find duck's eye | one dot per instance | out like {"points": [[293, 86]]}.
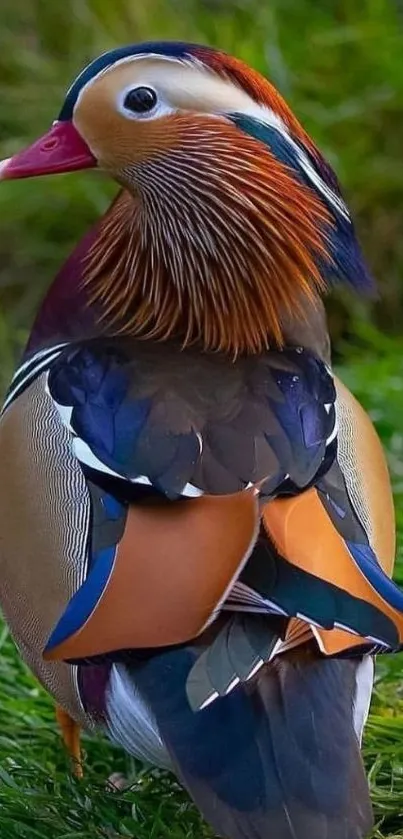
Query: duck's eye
{"points": [[140, 100]]}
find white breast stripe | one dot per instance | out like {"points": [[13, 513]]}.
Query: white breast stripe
{"points": [[30, 370], [37, 357]]}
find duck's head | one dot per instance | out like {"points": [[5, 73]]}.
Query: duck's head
{"points": [[230, 220]]}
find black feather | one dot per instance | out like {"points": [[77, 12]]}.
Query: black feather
{"points": [[277, 758]]}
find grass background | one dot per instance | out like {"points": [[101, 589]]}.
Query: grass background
{"points": [[339, 63]]}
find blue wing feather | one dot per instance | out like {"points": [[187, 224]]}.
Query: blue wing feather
{"points": [[108, 520], [137, 423], [85, 599], [370, 568]]}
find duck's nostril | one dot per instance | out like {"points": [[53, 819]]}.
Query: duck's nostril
{"points": [[50, 144]]}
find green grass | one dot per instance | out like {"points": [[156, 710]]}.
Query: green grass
{"points": [[39, 799], [38, 796]]}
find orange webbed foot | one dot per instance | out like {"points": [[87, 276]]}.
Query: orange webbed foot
{"points": [[71, 738]]}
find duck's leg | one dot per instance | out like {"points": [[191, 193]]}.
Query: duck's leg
{"points": [[71, 738]]}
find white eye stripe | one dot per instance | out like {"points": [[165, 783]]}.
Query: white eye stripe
{"points": [[268, 117], [126, 60]]}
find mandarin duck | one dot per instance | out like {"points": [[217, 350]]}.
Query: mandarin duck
{"points": [[196, 525]]}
